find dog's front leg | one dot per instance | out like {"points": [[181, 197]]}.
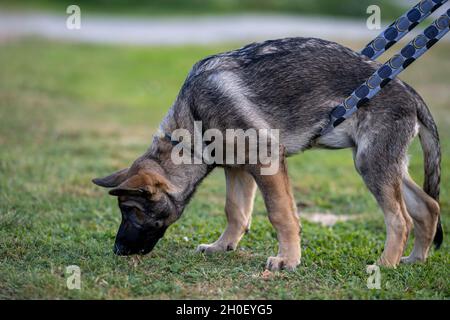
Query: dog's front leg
{"points": [[280, 204], [241, 188]]}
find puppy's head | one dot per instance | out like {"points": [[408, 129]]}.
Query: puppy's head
{"points": [[143, 194]]}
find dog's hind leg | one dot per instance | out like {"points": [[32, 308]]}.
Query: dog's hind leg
{"points": [[380, 162], [241, 188], [425, 212]]}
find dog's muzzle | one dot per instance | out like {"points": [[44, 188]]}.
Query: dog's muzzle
{"points": [[121, 248]]}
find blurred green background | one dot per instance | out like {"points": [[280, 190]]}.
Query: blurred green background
{"points": [[342, 8]]}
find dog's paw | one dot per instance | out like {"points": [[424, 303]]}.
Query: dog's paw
{"points": [[213, 247], [384, 262], [411, 259], [279, 263]]}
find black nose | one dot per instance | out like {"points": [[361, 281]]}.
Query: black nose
{"points": [[120, 250]]}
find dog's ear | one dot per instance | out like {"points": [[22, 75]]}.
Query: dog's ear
{"points": [[144, 182], [113, 180]]}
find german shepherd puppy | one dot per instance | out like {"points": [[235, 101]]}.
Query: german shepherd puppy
{"points": [[290, 84]]}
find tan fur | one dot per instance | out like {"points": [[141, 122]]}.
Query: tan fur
{"points": [[397, 225], [147, 180], [241, 189], [280, 204], [424, 211]]}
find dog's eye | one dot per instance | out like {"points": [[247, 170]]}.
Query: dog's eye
{"points": [[133, 213], [131, 205], [158, 224], [137, 215], [140, 216]]}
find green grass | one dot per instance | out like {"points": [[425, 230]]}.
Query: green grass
{"points": [[345, 8], [69, 113]]}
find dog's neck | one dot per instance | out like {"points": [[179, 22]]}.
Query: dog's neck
{"points": [[184, 177]]}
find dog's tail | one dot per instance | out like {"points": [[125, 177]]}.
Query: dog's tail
{"points": [[429, 139]]}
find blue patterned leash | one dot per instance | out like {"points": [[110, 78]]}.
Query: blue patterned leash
{"points": [[400, 27], [388, 71]]}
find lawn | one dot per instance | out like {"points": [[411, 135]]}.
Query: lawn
{"points": [[69, 113]]}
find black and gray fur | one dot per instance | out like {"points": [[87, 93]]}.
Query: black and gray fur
{"points": [[292, 85]]}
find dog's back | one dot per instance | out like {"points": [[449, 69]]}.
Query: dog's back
{"points": [[290, 84]]}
